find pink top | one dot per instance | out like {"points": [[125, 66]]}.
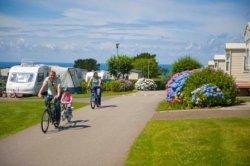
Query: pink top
{"points": [[66, 98]]}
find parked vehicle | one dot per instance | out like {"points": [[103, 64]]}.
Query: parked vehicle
{"points": [[26, 78]]}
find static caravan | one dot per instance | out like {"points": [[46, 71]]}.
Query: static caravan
{"points": [[211, 64], [220, 62], [26, 78], [238, 66], [68, 77]]}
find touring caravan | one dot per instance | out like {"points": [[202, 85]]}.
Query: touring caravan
{"points": [[26, 78], [68, 77]]}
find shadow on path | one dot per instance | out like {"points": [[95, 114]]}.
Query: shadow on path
{"points": [[107, 106], [76, 125]]}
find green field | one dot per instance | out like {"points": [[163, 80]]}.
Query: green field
{"points": [[193, 142], [18, 115]]}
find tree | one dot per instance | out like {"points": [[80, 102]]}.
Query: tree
{"points": [[147, 64], [145, 55], [119, 65], [88, 64], [185, 63]]}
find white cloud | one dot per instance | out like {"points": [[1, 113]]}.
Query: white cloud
{"points": [[168, 28]]}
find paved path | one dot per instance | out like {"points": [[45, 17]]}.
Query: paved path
{"points": [[242, 110], [99, 137]]}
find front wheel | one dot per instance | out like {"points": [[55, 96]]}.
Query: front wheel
{"points": [[45, 121], [92, 104]]}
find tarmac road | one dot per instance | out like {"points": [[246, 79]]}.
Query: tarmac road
{"points": [[96, 137]]}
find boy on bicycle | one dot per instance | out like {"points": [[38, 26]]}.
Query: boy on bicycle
{"points": [[95, 85], [52, 85]]}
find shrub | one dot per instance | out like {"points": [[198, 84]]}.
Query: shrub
{"points": [[185, 63], [160, 83], [126, 85], [118, 86], [145, 84], [175, 86], [207, 95], [84, 85], [209, 76]]}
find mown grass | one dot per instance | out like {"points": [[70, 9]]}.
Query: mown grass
{"points": [[166, 106], [18, 115], [193, 142]]}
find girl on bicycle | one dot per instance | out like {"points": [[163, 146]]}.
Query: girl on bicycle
{"points": [[66, 101], [95, 85]]}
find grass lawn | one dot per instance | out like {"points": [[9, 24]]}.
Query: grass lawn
{"points": [[105, 93], [244, 98], [18, 115], [165, 106], [193, 142]]}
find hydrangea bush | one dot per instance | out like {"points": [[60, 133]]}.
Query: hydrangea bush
{"points": [[175, 85], [219, 78], [207, 95], [145, 84]]}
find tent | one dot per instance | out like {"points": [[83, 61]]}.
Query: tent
{"points": [[68, 77]]}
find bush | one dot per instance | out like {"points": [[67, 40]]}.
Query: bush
{"points": [[83, 85], [207, 95], [175, 86], [160, 83], [118, 86], [185, 63], [209, 76], [145, 84]]}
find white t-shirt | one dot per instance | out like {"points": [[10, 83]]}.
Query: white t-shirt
{"points": [[52, 85]]}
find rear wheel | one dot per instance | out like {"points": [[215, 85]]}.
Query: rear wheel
{"points": [[45, 121]]}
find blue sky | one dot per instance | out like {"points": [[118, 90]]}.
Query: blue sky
{"points": [[63, 31]]}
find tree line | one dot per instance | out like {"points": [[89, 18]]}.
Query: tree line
{"points": [[121, 65]]}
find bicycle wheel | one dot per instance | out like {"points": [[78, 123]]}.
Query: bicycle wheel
{"points": [[92, 101], [92, 104], [57, 122], [45, 121]]}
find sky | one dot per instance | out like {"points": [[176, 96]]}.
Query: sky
{"points": [[66, 30]]}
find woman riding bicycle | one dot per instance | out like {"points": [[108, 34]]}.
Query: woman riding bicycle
{"points": [[52, 85], [95, 85]]}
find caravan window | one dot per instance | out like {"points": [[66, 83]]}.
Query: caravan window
{"points": [[21, 77]]}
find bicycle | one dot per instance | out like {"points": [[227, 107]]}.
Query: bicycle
{"points": [[49, 115], [95, 98], [67, 112]]}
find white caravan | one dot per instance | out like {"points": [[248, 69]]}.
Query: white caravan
{"points": [[26, 78]]}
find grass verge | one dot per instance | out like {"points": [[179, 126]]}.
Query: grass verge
{"points": [[193, 142], [166, 106], [18, 115]]}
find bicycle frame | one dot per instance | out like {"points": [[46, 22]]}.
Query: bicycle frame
{"points": [[95, 97]]}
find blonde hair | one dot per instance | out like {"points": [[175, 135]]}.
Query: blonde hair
{"points": [[52, 72]]}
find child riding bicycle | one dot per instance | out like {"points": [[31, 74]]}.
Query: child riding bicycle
{"points": [[66, 102]]}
